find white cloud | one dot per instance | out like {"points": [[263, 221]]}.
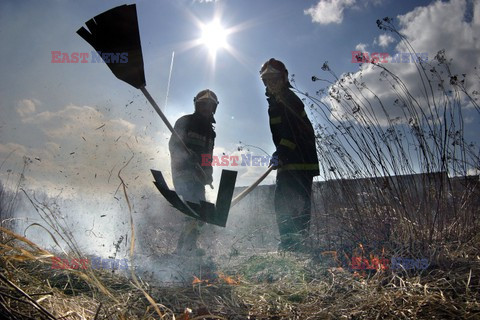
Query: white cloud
{"points": [[384, 40], [79, 121], [26, 106], [473, 172], [8, 148], [442, 26], [361, 47], [80, 151], [401, 108], [476, 15], [329, 11]]}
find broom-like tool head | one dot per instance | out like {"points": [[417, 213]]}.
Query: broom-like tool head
{"points": [[114, 34]]}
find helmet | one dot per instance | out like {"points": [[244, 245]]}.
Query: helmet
{"points": [[206, 96], [273, 68]]}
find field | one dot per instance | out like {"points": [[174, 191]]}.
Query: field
{"points": [[395, 224]]}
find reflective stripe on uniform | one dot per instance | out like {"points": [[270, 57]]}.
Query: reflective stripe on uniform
{"points": [[195, 135], [287, 143], [300, 166], [195, 139], [276, 120]]}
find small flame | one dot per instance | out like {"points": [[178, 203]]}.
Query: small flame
{"points": [[224, 278], [334, 256], [186, 314], [227, 279], [361, 247], [198, 281], [374, 263]]}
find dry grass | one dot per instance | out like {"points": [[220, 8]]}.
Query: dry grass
{"points": [[336, 293], [401, 184], [269, 286]]}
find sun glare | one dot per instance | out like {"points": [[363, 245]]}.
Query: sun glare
{"points": [[214, 36]]}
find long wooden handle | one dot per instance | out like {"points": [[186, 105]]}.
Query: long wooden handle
{"points": [[249, 189], [169, 126], [160, 113]]}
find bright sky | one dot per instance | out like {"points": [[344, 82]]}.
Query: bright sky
{"points": [[79, 125]]}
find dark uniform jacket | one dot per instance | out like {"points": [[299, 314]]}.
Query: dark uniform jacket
{"points": [[198, 134], [292, 133]]}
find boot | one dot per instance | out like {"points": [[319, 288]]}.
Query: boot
{"points": [[187, 242], [191, 247]]}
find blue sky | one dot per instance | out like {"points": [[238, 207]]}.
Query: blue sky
{"points": [[78, 124]]}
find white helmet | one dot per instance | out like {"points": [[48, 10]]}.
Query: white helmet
{"points": [[207, 95]]}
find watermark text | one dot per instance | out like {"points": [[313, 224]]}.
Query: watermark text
{"points": [[382, 57], [359, 263], [243, 160], [95, 57], [95, 263]]}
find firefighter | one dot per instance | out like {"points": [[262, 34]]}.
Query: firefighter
{"points": [[295, 157], [189, 178]]}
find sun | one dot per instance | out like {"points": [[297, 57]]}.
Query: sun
{"points": [[214, 36]]}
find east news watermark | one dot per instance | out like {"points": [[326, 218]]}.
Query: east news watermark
{"points": [[397, 263], [94, 263], [382, 57], [243, 160], [92, 57]]}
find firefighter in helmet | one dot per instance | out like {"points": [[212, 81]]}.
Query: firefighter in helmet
{"points": [[295, 157], [189, 178]]}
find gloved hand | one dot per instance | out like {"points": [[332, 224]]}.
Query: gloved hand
{"points": [[208, 179], [204, 175], [276, 161]]}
